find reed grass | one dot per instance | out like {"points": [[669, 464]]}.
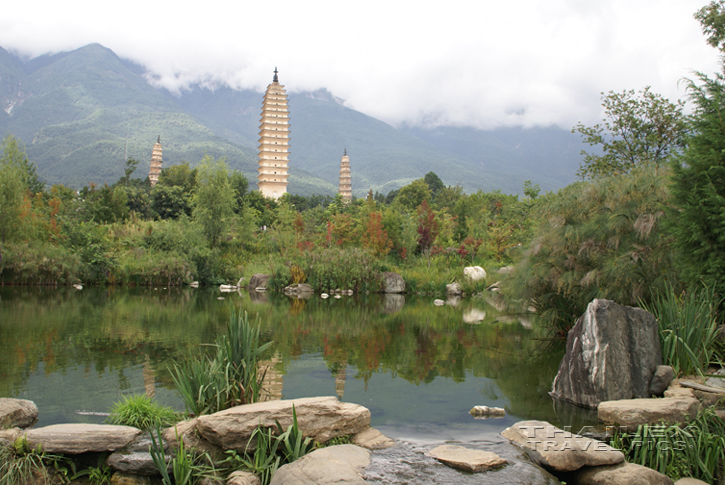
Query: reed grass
{"points": [[142, 412], [687, 327], [696, 450], [230, 377]]}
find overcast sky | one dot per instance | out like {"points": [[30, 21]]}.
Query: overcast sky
{"points": [[483, 63]]}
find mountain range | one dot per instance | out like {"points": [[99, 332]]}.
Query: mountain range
{"points": [[81, 114]]}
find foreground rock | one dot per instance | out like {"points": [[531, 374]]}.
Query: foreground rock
{"points": [[633, 412], [622, 474], [559, 450], [81, 438], [243, 478], [611, 353], [408, 463], [321, 418], [392, 282], [372, 439], [326, 466], [466, 459], [17, 413], [661, 380]]}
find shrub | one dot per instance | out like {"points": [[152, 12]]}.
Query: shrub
{"points": [[22, 465], [598, 239], [142, 412], [31, 264]]}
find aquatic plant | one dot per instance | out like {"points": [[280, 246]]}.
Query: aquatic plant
{"points": [[230, 377], [142, 412]]}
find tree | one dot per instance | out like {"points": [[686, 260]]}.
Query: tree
{"points": [[435, 184], [413, 194], [699, 188], [638, 128], [712, 20], [213, 201]]}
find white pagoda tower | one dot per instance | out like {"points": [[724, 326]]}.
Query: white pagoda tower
{"points": [[156, 161], [274, 141], [345, 179]]}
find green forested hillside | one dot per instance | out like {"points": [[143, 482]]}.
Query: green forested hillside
{"points": [[81, 114]]}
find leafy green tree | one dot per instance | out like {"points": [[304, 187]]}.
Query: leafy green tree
{"points": [[712, 21], [14, 154], [213, 201], [179, 176], [240, 184], [413, 194], [699, 188], [638, 128], [435, 184]]}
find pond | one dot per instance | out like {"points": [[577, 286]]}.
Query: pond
{"points": [[418, 367]]}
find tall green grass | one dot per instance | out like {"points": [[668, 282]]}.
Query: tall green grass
{"points": [[696, 450], [687, 327], [230, 377]]}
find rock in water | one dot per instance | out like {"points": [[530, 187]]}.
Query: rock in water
{"points": [[392, 282], [465, 459], [611, 353]]}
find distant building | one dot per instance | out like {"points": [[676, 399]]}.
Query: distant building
{"points": [[345, 179], [156, 161], [274, 141]]}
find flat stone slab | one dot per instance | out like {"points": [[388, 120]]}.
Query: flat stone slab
{"points": [[559, 450], [633, 412], [372, 439], [409, 463], [19, 413], [700, 387], [320, 418], [8, 436], [341, 464], [466, 459], [622, 474], [81, 438]]}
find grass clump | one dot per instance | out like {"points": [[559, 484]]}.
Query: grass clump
{"points": [[696, 450], [228, 378], [185, 467], [687, 327], [22, 465], [142, 412]]}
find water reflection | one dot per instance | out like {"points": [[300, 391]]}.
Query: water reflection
{"points": [[417, 366]]}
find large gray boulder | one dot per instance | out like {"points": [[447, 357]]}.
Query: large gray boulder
{"points": [[320, 418], [79, 438], [19, 413], [559, 450], [341, 464], [611, 353], [621, 474], [633, 412], [392, 282]]}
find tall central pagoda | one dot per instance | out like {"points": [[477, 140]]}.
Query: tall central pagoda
{"points": [[274, 141]]}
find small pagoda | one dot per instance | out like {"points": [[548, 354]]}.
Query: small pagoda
{"points": [[274, 141], [345, 179], [156, 161]]}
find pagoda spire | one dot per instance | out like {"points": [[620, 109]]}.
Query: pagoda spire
{"points": [[274, 141], [156, 162]]}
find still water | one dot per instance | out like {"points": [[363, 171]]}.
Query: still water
{"points": [[418, 367]]}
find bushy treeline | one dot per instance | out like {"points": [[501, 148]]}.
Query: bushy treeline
{"points": [[204, 224]]}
